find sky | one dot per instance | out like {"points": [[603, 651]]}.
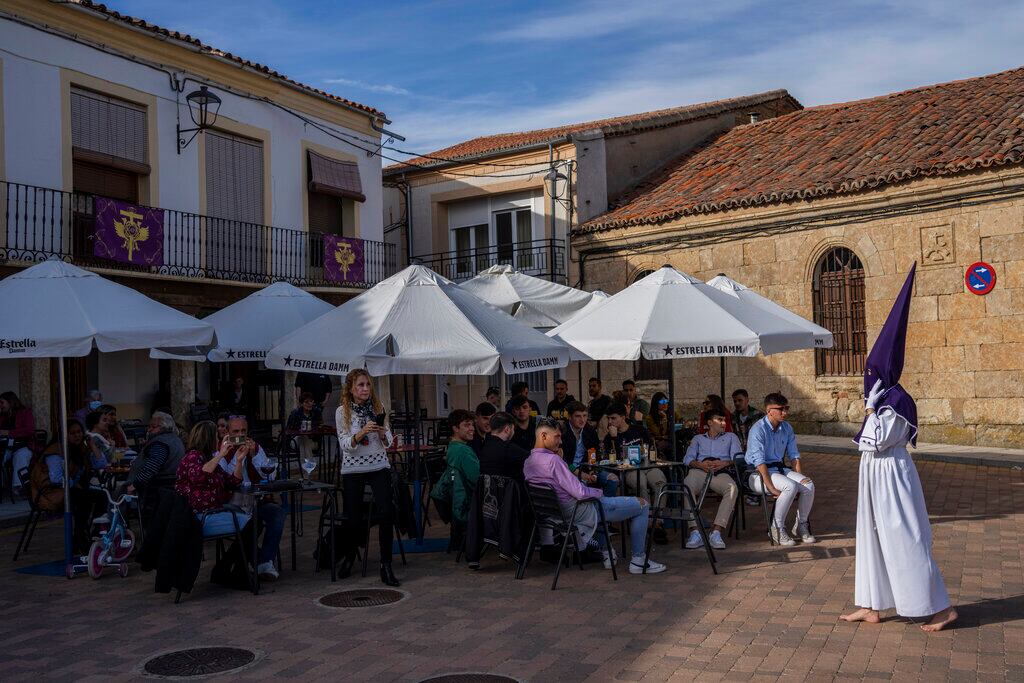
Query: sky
{"points": [[446, 70]]}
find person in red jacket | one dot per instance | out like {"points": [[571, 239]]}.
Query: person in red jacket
{"points": [[17, 430]]}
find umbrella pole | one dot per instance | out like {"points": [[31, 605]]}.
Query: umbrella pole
{"points": [[68, 562], [672, 410], [721, 376], [579, 379], [417, 485]]}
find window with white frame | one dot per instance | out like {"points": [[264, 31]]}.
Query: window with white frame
{"points": [[492, 230]]}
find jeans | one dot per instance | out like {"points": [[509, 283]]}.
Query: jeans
{"points": [[607, 483], [271, 517], [19, 458], [219, 523], [353, 487], [791, 486], [621, 508]]}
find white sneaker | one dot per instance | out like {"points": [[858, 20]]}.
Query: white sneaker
{"points": [[268, 571], [804, 532], [780, 537], [694, 541], [609, 560], [716, 540], [636, 566]]}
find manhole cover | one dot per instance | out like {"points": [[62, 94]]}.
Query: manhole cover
{"points": [[469, 678], [200, 661], [368, 597]]}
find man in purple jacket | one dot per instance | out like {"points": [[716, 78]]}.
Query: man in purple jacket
{"points": [[546, 467]]}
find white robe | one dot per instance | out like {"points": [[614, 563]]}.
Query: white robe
{"points": [[894, 564]]}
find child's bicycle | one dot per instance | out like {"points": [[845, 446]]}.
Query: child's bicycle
{"points": [[114, 544]]}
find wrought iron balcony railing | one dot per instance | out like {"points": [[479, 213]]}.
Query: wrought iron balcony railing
{"points": [[541, 258], [40, 223]]}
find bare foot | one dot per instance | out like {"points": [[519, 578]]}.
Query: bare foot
{"points": [[863, 614], [940, 620]]}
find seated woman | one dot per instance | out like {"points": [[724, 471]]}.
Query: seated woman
{"points": [[98, 439], [47, 482], [18, 425], [306, 418], [117, 436], [713, 402], [206, 485], [657, 422]]}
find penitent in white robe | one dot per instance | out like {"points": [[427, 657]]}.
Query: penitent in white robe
{"points": [[894, 564]]}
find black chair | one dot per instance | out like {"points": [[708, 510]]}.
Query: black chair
{"points": [[767, 501], [34, 515], [236, 535], [739, 512], [684, 509], [548, 514]]}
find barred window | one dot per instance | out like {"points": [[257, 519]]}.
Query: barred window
{"points": [[839, 308]]}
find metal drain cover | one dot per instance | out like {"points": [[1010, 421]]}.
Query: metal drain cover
{"points": [[200, 661], [367, 597], [469, 678]]}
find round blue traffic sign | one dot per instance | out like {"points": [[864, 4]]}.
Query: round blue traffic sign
{"points": [[980, 278]]}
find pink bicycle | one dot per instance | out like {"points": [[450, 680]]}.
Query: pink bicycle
{"points": [[114, 544]]}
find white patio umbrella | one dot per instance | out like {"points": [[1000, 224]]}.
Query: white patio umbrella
{"points": [[57, 310], [248, 328], [416, 322], [530, 300], [822, 337], [669, 315]]}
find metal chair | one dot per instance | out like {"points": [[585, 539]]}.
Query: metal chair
{"points": [[548, 514], [685, 510], [767, 501], [34, 515], [738, 513], [236, 535]]}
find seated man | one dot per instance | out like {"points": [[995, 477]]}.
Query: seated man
{"points": [[545, 467], [637, 408], [156, 466], [306, 418], [622, 434], [463, 461], [558, 407], [526, 425], [770, 440], [482, 426], [500, 456], [493, 396], [708, 455], [271, 515], [578, 440], [521, 389]]}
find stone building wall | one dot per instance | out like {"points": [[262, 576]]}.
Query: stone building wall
{"points": [[965, 355]]}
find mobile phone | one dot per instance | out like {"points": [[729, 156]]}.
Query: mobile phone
{"points": [[379, 418], [236, 440]]}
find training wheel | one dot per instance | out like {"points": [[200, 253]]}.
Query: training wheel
{"points": [[122, 570], [69, 571], [94, 561]]}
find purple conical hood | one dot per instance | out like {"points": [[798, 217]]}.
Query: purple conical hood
{"points": [[885, 362]]}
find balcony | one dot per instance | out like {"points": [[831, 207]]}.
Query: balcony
{"points": [[540, 258], [41, 223]]}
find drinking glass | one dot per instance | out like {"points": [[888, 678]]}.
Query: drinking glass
{"points": [[267, 468], [308, 465]]}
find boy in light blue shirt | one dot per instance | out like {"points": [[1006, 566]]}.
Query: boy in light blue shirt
{"points": [[770, 440]]}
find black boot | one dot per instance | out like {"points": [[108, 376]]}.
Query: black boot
{"points": [[387, 575], [345, 567]]}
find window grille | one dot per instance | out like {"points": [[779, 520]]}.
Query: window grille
{"points": [[839, 308]]}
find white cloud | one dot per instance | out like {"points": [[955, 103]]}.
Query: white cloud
{"points": [[372, 87]]}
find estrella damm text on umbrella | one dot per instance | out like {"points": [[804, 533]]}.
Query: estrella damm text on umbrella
{"points": [[534, 363], [701, 350], [322, 365], [17, 345]]}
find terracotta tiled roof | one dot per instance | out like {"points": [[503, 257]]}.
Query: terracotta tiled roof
{"points": [[501, 143], [185, 38], [835, 149]]}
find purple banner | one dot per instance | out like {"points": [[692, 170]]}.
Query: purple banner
{"points": [[343, 259], [129, 233]]}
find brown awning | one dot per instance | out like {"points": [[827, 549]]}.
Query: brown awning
{"points": [[338, 178]]}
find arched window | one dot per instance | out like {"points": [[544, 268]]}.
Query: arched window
{"points": [[839, 308], [649, 369]]}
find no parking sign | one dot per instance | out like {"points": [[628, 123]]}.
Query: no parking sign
{"points": [[980, 278]]}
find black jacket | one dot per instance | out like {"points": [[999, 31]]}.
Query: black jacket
{"points": [[502, 458], [525, 438], [174, 544], [590, 440], [500, 516]]}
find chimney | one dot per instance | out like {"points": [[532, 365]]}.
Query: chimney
{"points": [[754, 116]]}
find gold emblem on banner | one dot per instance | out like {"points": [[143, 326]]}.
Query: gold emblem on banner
{"points": [[345, 257], [131, 230]]}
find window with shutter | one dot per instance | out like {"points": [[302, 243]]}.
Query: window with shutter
{"points": [[234, 205], [839, 308]]}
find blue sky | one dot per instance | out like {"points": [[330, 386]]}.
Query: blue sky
{"points": [[447, 70]]}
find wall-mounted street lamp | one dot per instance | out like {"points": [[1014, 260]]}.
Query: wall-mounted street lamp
{"points": [[203, 106]]}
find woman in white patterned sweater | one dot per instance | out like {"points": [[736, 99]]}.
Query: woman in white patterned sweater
{"points": [[364, 462]]}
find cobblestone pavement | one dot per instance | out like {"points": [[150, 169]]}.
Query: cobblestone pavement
{"points": [[770, 614]]}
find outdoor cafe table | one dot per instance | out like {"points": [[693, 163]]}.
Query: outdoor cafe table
{"points": [[262, 490], [622, 470], [327, 453]]}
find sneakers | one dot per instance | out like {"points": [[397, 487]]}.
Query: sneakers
{"points": [[803, 530], [609, 560], [267, 571], [780, 537], [694, 541], [753, 501], [716, 540], [636, 566]]}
